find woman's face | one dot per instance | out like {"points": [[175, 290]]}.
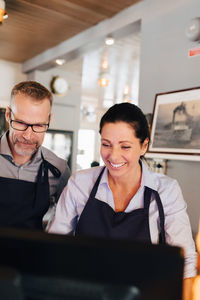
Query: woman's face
{"points": [[120, 148]]}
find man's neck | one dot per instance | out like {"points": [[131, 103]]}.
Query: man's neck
{"points": [[21, 160]]}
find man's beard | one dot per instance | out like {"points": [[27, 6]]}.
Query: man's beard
{"points": [[20, 150]]}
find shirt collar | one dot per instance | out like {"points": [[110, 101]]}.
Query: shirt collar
{"points": [[147, 178], [104, 177]]}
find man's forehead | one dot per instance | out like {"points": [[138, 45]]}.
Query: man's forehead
{"points": [[21, 101], [31, 112]]}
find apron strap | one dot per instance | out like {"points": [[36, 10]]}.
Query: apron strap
{"points": [[95, 187], [52, 168], [147, 195], [162, 218], [42, 177]]}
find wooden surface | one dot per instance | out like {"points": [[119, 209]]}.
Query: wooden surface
{"points": [[35, 26]]}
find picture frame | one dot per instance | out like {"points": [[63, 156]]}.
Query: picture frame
{"points": [[3, 123], [175, 127]]}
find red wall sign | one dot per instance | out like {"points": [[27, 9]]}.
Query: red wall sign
{"points": [[194, 52]]}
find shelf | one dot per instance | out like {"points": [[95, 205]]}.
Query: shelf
{"points": [[173, 156]]}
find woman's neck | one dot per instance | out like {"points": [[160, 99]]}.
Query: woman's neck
{"points": [[129, 179], [124, 188]]}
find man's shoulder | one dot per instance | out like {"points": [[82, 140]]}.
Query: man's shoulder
{"points": [[55, 160], [4, 147]]}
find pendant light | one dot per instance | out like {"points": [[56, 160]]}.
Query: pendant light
{"points": [[3, 14]]}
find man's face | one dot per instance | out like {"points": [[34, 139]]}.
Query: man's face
{"points": [[24, 144]]}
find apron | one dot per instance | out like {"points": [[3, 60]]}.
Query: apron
{"points": [[98, 219], [22, 203]]}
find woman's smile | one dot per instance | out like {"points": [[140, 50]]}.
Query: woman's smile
{"points": [[116, 166]]}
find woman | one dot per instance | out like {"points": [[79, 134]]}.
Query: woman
{"points": [[124, 199]]}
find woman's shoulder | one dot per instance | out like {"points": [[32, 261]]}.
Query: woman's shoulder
{"points": [[87, 175], [83, 180], [163, 178], [159, 181]]}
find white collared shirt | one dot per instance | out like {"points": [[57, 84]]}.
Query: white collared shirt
{"points": [[177, 225]]}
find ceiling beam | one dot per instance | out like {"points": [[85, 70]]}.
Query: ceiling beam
{"points": [[121, 24]]}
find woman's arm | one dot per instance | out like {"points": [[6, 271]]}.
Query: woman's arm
{"points": [[187, 288], [64, 220], [177, 226]]}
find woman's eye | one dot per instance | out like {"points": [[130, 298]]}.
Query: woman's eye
{"points": [[126, 147], [105, 145]]}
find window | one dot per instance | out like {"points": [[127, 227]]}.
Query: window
{"points": [[86, 141]]}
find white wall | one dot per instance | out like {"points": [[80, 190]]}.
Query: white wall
{"points": [[10, 74], [165, 66], [66, 109]]}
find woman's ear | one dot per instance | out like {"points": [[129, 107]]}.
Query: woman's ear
{"points": [[145, 146]]}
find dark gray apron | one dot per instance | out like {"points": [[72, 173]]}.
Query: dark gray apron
{"points": [[98, 219]]}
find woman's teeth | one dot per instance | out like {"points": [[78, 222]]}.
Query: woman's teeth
{"points": [[117, 165]]}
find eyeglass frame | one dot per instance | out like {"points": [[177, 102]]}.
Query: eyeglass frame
{"points": [[26, 124]]}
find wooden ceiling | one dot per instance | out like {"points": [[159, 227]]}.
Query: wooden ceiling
{"points": [[34, 26]]}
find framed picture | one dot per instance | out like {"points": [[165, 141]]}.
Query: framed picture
{"points": [[3, 123], [175, 124]]}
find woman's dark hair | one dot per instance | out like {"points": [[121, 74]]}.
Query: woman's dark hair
{"points": [[130, 114]]}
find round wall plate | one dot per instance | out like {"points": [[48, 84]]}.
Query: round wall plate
{"points": [[193, 30], [59, 86]]}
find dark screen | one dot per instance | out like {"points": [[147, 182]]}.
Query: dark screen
{"points": [[72, 263]]}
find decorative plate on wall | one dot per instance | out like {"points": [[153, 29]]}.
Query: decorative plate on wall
{"points": [[59, 86]]}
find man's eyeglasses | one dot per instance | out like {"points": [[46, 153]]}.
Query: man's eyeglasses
{"points": [[21, 126]]}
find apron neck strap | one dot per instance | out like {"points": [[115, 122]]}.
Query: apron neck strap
{"points": [[48, 166], [147, 195], [95, 187]]}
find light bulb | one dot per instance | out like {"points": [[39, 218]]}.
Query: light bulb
{"points": [[109, 41], [103, 82], [2, 10]]}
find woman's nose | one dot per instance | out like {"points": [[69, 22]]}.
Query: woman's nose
{"points": [[115, 153]]}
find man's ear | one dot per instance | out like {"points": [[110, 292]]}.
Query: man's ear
{"points": [[7, 114], [50, 118]]}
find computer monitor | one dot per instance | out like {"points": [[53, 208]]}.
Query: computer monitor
{"points": [[75, 268]]}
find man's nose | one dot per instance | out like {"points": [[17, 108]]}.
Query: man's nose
{"points": [[28, 132]]}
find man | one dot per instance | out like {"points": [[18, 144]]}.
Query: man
{"points": [[29, 174]]}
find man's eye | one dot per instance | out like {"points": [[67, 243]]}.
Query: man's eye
{"points": [[105, 145]]}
